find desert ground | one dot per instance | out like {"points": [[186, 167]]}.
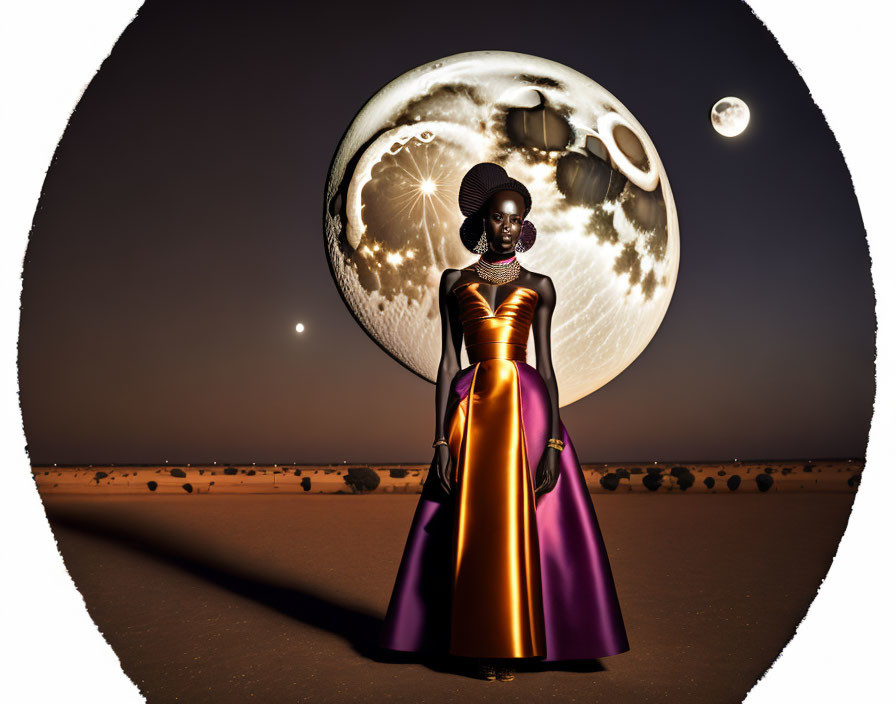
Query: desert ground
{"points": [[620, 478], [238, 597]]}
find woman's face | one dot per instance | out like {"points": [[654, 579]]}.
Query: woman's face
{"points": [[504, 221]]}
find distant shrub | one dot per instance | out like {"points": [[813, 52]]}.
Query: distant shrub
{"points": [[854, 480], [250, 473], [188, 488], [230, 471], [808, 467], [152, 485], [623, 473], [98, 476], [655, 471], [178, 472], [636, 470], [764, 482], [398, 473], [678, 471], [710, 482], [610, 481], [298, 472], [770, 470], [361, 479], [786, 471], [733, 482], [722, 472], [652, 481], [685, 479], [306, 483]]}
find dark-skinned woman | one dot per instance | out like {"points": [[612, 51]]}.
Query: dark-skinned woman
{"points": [[505, 560]]}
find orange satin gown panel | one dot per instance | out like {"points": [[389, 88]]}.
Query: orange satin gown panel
{"points": [[497, 603]]}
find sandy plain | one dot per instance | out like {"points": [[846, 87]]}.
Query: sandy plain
{"points": [[619, 478], [225, 598]]}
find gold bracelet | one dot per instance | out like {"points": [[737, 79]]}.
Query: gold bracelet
{"points": [[556, 443], [440, 441]]}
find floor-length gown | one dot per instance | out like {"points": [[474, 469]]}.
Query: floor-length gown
{"points": [[491, 571]]}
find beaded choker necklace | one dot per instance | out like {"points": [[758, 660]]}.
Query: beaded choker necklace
{"points": [[500, 272]]}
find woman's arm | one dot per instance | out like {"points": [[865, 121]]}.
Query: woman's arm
{"points": [[541, 326], [548, 470], [452, 336]]}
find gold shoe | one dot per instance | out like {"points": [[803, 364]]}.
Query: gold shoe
{"points": [[486, 670], [504, 673]]}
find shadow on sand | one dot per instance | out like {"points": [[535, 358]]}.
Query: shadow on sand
{"points": [[359, 628]]}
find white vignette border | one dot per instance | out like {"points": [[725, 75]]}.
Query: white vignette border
{"points": [[51, 49]]}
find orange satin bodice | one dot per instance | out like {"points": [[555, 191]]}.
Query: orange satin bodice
{"points": [[496, 594], [499, 334]]}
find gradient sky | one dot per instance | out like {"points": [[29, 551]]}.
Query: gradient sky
{"points": [[178, 241]]}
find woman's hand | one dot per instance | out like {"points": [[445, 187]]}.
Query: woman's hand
{"points": [[548, 471], [444, 467]]}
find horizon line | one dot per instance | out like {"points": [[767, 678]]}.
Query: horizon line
{"points": [[346, 463]]}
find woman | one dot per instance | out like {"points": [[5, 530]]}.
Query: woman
{"points": [[505, 558]]}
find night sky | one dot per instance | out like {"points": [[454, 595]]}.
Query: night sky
{"points": [[178, 242]]}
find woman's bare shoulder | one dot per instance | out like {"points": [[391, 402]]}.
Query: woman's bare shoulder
{"points": [[541, 284], [450, 277]]}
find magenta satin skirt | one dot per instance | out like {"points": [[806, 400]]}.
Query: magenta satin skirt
{"points": [[582, 618]]}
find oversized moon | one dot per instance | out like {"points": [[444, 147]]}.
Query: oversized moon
{"points": [[730, 116], [607, 225]]}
